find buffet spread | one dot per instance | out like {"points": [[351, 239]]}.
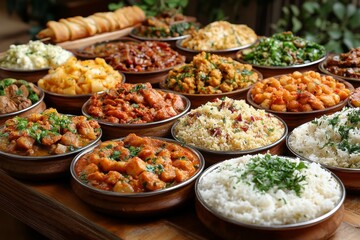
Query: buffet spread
{"points": [[140, 127]]}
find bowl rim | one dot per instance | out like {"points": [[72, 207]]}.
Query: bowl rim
{"points": [[215, 95], [80, 51], [150, 72], [321, 67], [140, 125], [141, 194], [50, 157], [239, 54], [235, 152], [41, 99], [250, 100], [19, 70], [272, 227], [87, 95], [178, 45], [165, 39], [332, 168]]}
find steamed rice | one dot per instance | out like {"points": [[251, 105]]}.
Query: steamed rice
{"points": [[239, 200], [332, 140], [228, 124]]}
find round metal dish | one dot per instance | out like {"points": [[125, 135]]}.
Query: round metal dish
{"points": [[136, 204], [213, 156], [349, 176], [156, 129], [190, 53], [321, 227]]}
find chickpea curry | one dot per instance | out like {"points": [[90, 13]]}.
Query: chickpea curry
{"points": [[47, 133], [136, 164], [211, 74]]}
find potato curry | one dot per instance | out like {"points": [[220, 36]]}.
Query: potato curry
{"points": [[136, 164]]}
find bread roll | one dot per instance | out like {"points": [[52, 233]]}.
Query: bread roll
{"points": [[79, 27]]}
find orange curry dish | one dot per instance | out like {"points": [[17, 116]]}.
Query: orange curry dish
{"points": [[135, 103], [47, 133], [136, 164]]}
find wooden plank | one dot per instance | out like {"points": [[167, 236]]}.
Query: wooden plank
{"points": [[54, 210], [108, 36]]}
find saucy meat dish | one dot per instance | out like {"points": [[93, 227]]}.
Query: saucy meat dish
{"points": [[47, 133], [136, 164], [135, 103], [145, 56], [345, 64], [16, 95]]}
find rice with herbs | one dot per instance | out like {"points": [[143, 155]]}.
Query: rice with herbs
{"points": [[228, 125], [230, 191], [332, 140]]}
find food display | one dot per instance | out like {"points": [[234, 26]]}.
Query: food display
{"points": [[34, 55], [267, 190], [76, 77], [136, 164], [219, 35], [283, 49], [210, 74], [145, 57], [344, 64], [80, 27], [228, 125], [299, 92], [164, 25], [47, 133], [355, 97], [331, 140], [16, 95], [134, 104]]}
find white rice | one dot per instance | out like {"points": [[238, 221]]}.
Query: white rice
{"points": [[228, 124], [241, 201], [321, 141]]}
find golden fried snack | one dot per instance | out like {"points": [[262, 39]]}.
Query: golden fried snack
{"points": [[80, 27]]}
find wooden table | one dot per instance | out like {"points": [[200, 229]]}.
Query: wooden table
{"points": [[55, 211]]}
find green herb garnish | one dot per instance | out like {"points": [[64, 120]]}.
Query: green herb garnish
{"points": [[271, 171]]}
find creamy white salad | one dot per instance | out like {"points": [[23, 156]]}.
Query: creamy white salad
{"points": [[34, 55]]}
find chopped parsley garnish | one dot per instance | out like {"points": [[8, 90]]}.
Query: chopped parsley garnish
{"points": [[272, 171], [134, 151], [115, 155], [157, 169]]}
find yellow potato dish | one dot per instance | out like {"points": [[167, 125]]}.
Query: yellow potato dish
{"points": [[76, 77]]}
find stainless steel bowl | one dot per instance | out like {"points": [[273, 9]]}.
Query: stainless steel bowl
{"points": [[190, 53], [40, 167], [156, 129], [136, 204], [213, 156], [322, 227]]}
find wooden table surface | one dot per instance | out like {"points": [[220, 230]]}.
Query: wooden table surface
{"points": [[55, 211]]}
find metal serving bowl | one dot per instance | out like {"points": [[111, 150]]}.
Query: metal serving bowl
{"points": [[199, 99], [270, 71], [136, 204], [213, 156], [190, 53], [322, 227], [294, 119], [155, 129], [169, 40], [40, 167], [349, 176], [37, 107], [322, 67]]}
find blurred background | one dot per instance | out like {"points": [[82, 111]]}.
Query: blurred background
{"points": [[333, 23]]}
